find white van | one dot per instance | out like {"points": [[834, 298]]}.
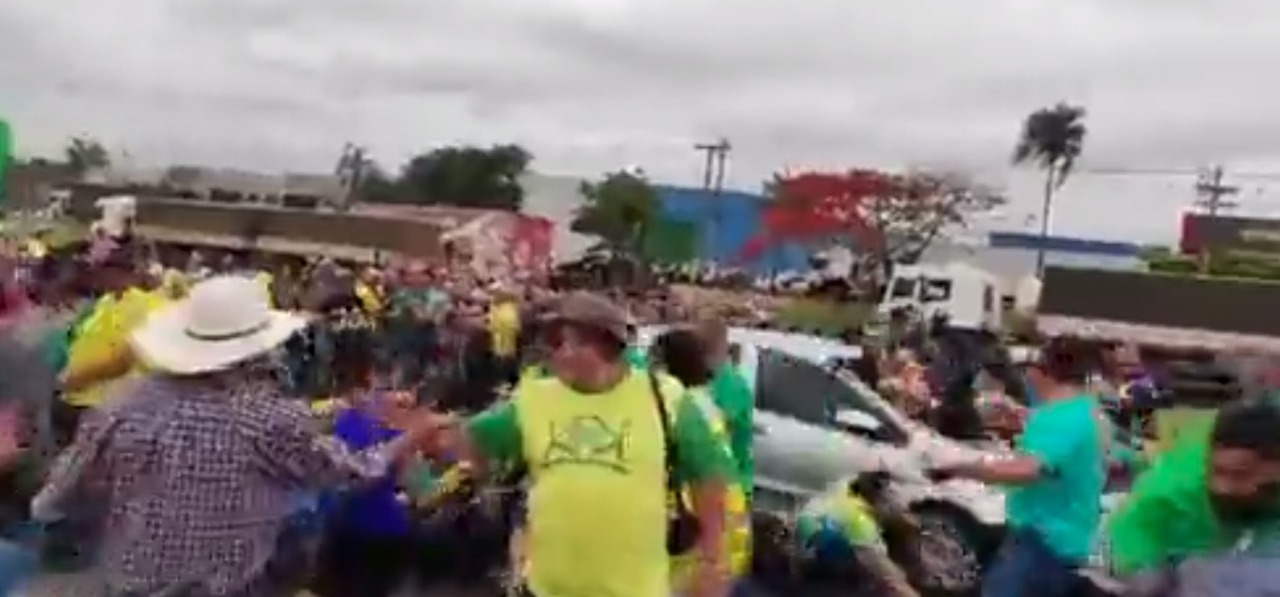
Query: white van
{"points": [[969, 296]]}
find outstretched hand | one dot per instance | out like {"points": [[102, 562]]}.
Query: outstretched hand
{"points": [[10, 436]]}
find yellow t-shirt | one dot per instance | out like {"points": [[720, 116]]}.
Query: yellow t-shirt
{"points": [[371, 299], [504, 328], [267, 281], [104, 333], [36, 249], [598, 504]]}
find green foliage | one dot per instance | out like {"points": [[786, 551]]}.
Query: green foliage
{"points": [[465, 176], [1251, 267], [1052, 138], [469, 176], [618, 209], [824, 317], [83, 154]]}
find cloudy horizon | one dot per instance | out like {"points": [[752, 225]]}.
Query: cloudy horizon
{"points": [[595, 85]]}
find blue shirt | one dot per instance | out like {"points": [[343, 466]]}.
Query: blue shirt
{"points": [[373, 508], [1063, 505]]}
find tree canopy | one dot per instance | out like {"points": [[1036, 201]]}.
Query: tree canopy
{"points": [[465, 176], [886, 217], [1052, 138], [617, 209], [84, 154]]}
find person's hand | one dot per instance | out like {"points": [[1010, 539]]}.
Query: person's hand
{"points": [[710, 579], [423, 425], [10, 442]]}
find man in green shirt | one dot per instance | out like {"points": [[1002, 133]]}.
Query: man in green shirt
{"points": [[732, 395], [1213, 495], [598, 455]]}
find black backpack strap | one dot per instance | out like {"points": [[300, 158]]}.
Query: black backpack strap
{"points": [[671, 457]]}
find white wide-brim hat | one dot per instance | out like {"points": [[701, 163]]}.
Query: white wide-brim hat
{"points": [[226, 320]]}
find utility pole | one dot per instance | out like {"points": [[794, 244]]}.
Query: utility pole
{"points": [[717, 154], [350, 170], [722, 153], [1213, 192], [1213, 198]]}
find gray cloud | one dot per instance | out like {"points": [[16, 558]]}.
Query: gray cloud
{"points": [[595, 84]]}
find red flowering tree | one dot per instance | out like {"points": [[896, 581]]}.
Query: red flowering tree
{"points": [[885, 217]]}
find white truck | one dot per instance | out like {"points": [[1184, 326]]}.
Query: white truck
{"points": [[969, 296]]}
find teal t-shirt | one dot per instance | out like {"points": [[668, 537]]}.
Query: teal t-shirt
{"points": [[636, 358], [1064, 505]]}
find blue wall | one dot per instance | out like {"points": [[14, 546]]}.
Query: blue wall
{"points": [[725, 223], [1062, 244]]}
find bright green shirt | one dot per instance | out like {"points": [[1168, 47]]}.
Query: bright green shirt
{"points": [[732, 395], [1168, 517], [1063, 505]]}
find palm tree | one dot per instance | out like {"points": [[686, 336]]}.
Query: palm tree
{"points": [[1052, 138], [85, 154]]}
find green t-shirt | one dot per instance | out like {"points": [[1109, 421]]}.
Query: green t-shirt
{"points": [[732, 395], [1063, 505], [1168, 516], [496, 433]]}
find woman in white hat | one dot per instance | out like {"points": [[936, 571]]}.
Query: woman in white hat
{"points": [[197, 468]]}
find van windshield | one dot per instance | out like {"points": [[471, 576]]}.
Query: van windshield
{"points": [[902, 288]]}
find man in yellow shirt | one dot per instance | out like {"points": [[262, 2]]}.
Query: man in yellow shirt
{"points": [[600, 439]]}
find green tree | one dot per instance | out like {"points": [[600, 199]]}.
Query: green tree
{"points": [[467, 176], [617, 209], [1052, 138], [376, 186], [84, 154]]}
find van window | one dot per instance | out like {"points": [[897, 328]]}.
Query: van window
{"points": [[936, 290], [988, 299], [902, 288]]}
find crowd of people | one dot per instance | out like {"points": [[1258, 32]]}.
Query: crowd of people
{"points": [[177, 423]]}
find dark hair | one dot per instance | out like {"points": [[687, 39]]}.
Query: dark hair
{"points": [[684, 355], [353, 362], [1068, 360], [1249, 425]]}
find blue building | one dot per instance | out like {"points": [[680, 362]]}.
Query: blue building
{"points": [[725, 222]]}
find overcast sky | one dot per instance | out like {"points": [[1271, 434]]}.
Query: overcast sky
{"points": [[590, 85]]}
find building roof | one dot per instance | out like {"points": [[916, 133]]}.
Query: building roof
{"points": [[255, 225], [1064, 244]]}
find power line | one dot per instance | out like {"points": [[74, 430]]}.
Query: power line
{"points": [[713, 168], [1125, 171]]}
